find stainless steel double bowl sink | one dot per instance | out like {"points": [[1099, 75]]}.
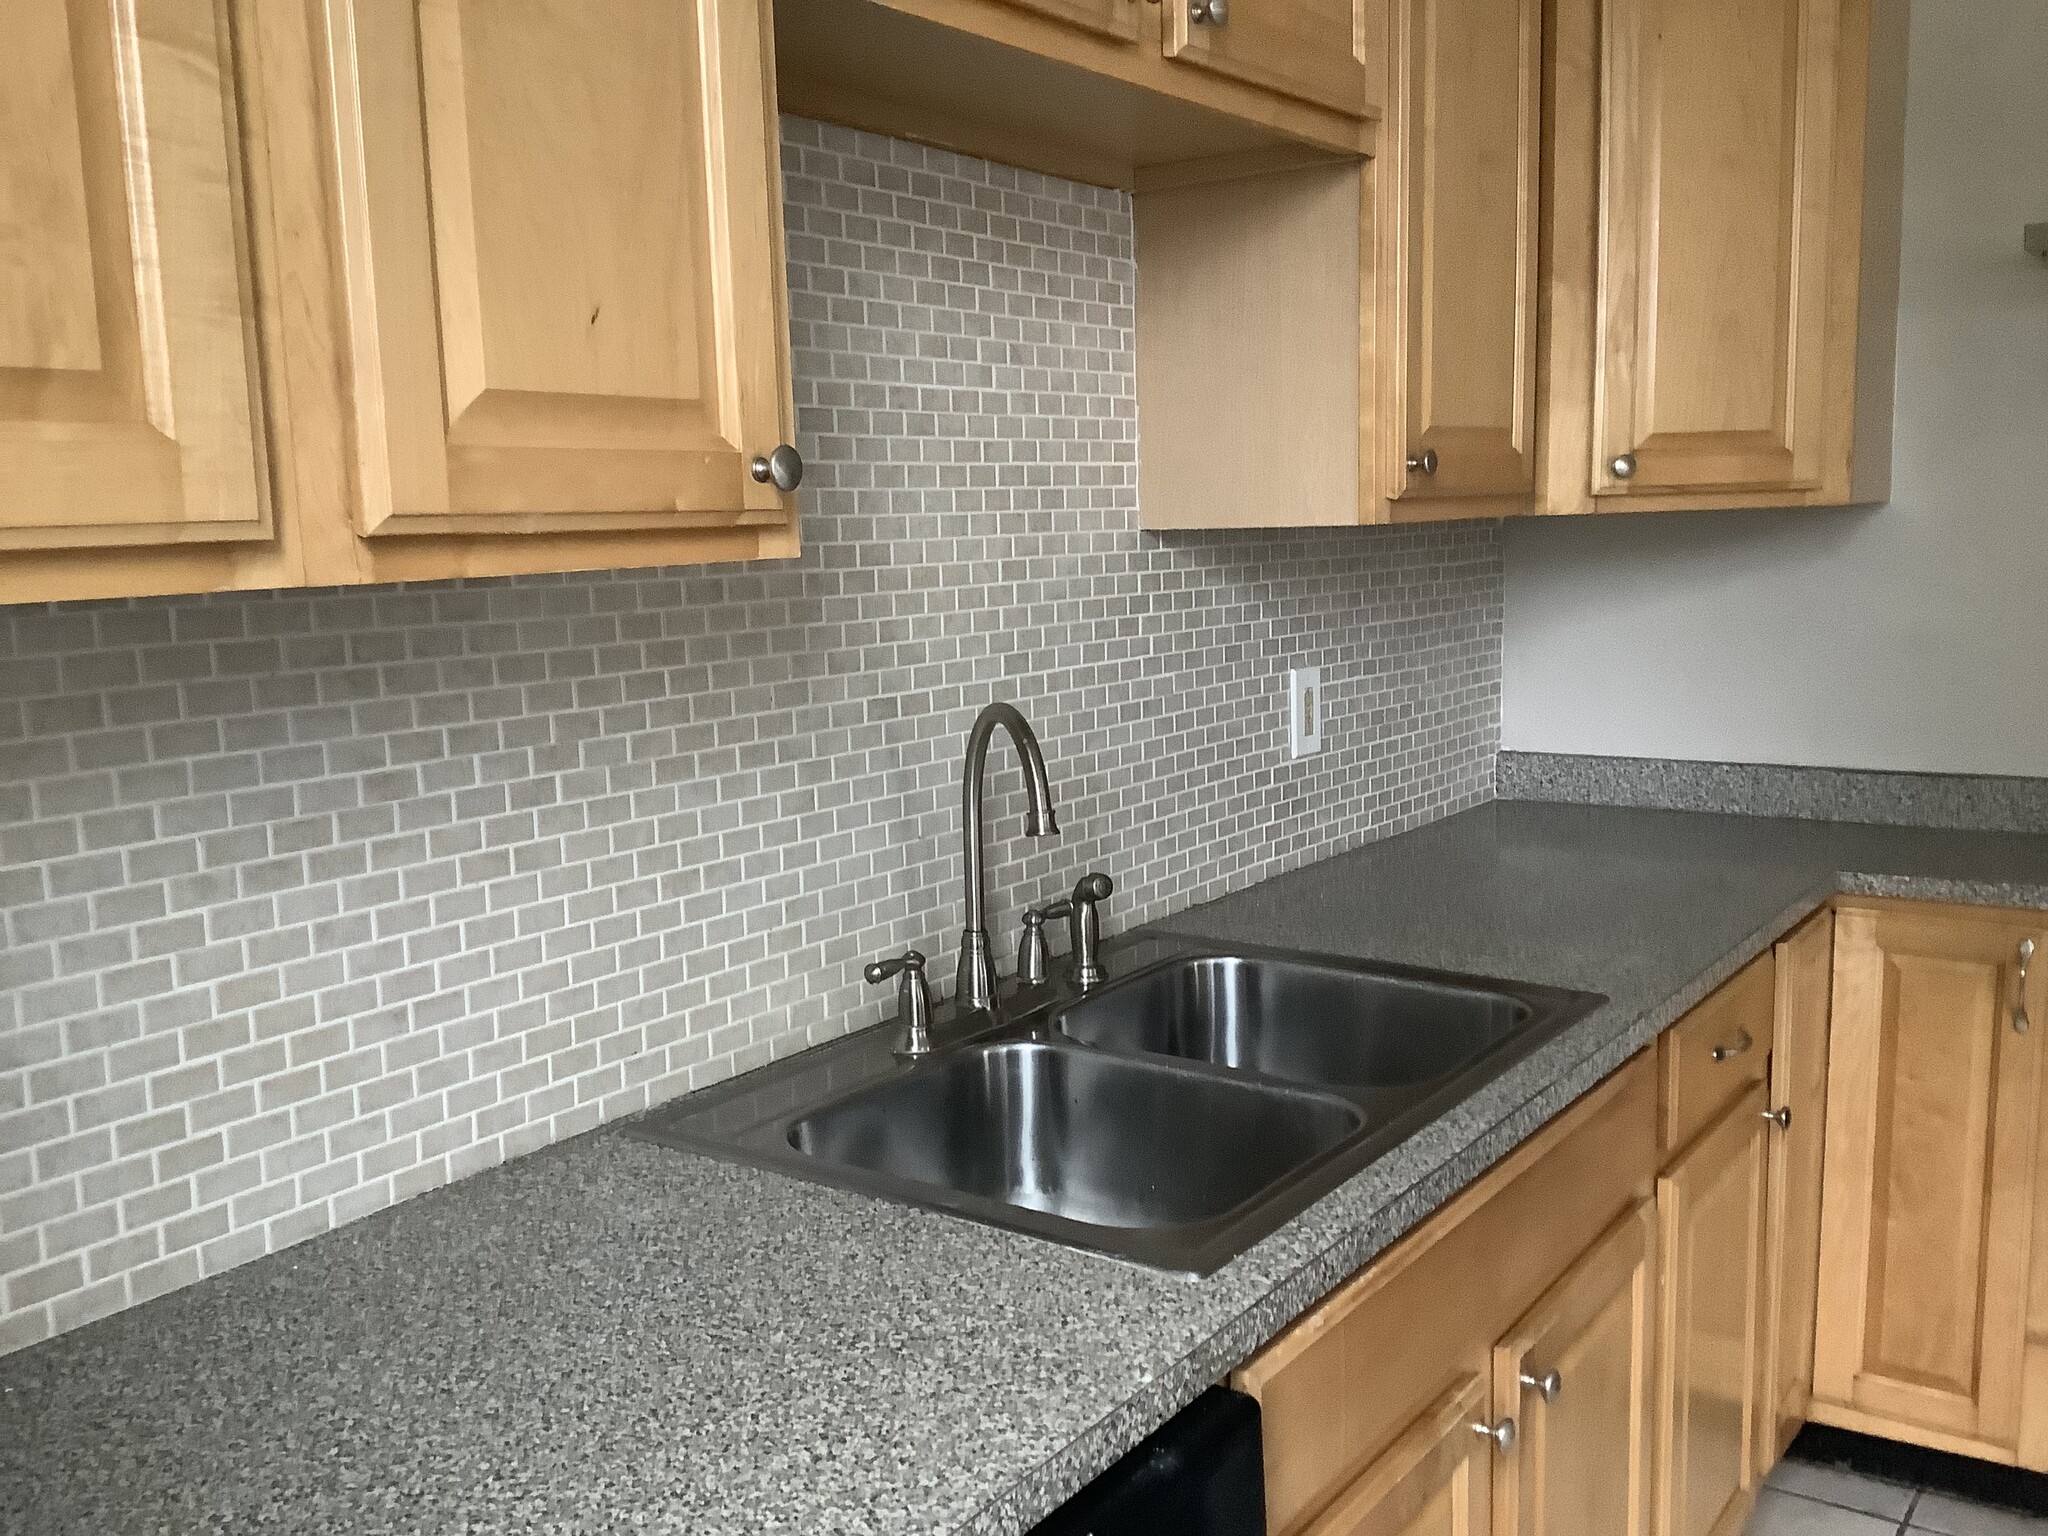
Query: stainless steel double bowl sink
{"points": [[1172, 1116]]}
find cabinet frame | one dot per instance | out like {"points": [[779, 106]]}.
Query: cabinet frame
{"points": [[1798, 1088]]}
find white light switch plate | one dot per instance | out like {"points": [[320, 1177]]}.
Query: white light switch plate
{"points": [[1304, 711]]}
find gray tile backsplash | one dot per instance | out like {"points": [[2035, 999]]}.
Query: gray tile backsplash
{"points": [[315, 900]]}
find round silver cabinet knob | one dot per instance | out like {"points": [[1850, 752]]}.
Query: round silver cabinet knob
{"points": [[1423, 463], [1547, 1386], [1624, 466], [1502, 1434], [1781, 1117], [1209, 13], [784, 468]]}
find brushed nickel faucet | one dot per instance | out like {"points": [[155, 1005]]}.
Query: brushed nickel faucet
{"points": [[975, 982]]}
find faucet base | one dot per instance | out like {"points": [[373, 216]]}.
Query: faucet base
{"points": [[975, 981]]}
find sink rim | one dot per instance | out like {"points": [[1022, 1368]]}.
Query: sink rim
{"points": [[744, 1119]]}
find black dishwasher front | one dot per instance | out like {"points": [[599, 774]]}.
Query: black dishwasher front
{"points": [[1202, 1474]]}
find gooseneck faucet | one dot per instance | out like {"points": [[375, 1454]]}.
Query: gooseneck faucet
{"points": [[975, 984]]}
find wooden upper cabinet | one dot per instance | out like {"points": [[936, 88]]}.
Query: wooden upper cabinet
{"points": [[1720, 155], [1575, 1376], [1458, 235], [1312, 50], [131, 409], [1368, 329], [1927, 1209], [561, 254], [1721, 207]]}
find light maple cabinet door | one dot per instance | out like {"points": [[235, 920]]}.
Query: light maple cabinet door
{"points": [[131, 409], [1575, 1375], [1719, 156], [1436, 1479], [1710, 1206], [1927, 1207], [1458, 234], [1799, 1085], [1115, 19], [1308, 49], [560, 234]]}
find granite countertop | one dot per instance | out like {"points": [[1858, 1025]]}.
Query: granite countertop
{"points": [[609, 1335]]}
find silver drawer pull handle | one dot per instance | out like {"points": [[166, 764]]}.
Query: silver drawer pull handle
{"points": [[1547, 1386], [1781, 1118], [2020, 1022], [1501, 1434], [1740, 1047]]}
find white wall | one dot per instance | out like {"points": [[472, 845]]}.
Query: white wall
{"points": [[1914, 636]]}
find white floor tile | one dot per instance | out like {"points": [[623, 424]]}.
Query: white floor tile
{"points": [[1953, 1517], [1787, 1514], [1833, 1485]]}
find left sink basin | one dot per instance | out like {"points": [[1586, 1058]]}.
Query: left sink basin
{"points": [[1078, 1134]]}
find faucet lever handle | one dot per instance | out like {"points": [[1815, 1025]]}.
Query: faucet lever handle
{"points": [[913, 999], [1033, 954], [879, 971]]}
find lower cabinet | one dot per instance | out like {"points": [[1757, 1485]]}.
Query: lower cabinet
{"points": [[1574, 1377], [1818, 1197], [1435, 1480], [1557, 1443], [1710, 1213], [1582, 1343], [1928, 1220], [1400, 1405]]}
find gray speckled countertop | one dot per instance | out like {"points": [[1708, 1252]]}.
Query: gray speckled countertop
{"points": [[609, 1335]]}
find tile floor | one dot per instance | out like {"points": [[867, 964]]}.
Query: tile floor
{"points": [[1803, 1499]]}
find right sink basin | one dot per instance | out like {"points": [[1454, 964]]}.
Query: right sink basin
{"points": [[1338, 1026]]}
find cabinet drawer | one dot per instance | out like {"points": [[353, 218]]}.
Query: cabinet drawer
{"points": [[1718, 1051], [1340, 1388]]}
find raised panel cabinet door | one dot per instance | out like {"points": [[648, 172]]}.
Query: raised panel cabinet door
{"points": [[1717, 139], [1105, 18], [131, 408], [1435, 1480], [1575, 1374], [561, 242], [1460, 237], [1927, 1205], [1799, 1086], [1309, 49], [1710, 1209]]}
